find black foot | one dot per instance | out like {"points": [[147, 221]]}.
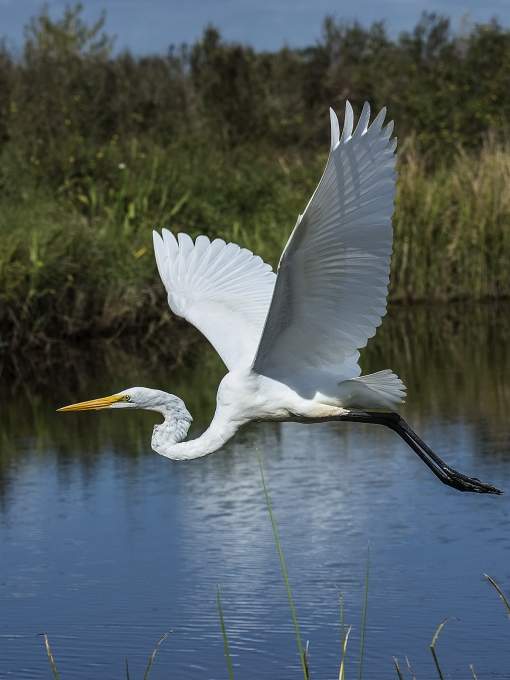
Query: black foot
{"points": [[462, 483], [443, 472]]}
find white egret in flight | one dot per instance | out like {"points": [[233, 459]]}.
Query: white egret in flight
{"points": [[290, 340]]}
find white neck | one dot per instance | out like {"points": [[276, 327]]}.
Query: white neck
{"points": [[167, 438]]}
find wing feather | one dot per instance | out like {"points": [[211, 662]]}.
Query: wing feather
{"points": [[330, 292], [222, 289]]}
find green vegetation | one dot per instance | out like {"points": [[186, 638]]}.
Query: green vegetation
{"points": [[150, 661], [224, 635], [51, 658], [228, 658], [96, 148], [302, 650]]}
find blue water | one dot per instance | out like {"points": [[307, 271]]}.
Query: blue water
{"points": [[105, 546]]}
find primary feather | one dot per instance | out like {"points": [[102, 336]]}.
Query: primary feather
{"points": [[332, 283]]}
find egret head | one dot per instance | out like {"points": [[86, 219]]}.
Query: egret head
{"points": [[134, 397]]}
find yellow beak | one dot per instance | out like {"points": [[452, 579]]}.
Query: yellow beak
{"points": [[93, 404]]}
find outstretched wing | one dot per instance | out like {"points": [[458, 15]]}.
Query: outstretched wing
{"points": [[220, 288], [332, 283]]}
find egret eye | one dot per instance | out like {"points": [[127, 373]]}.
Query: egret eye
{"points": [[126, 397]]}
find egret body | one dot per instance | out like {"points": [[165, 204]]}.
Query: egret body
{"points": [[291, 340]]}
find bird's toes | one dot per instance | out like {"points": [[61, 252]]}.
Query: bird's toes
{"points": [[477, 486], [472, 484]]}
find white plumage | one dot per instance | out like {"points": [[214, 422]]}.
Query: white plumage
{"points": [[333, 274], [332, 277], [290, 341]]}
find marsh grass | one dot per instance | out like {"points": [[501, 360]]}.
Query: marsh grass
{"points": [[452, 235], [51, 658], [345, 631], [78, 268], [303, 651], [499, 591], [397, 668], [224, 635], [432, 647], [146, 675], [98, 147], [364, 613], [152, 656]]}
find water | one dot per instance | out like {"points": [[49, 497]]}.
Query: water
{"points": [[106, 546]]}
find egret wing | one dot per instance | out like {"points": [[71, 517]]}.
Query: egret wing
{"points": [[332, 282], [222, 289]]}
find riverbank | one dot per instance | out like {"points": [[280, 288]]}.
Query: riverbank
{"points": [[80, 267], [98, 147]]}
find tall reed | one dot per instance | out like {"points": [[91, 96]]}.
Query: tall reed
{"points": [[452, 226]]}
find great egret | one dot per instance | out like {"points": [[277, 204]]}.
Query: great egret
{"points": [[290, 341]]}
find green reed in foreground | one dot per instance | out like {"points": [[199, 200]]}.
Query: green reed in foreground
{"points": [[51, 658], [283, 565], [146, 675], [226, 648], [303, 651]]}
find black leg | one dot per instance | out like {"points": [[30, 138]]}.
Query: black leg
{"points": [[443, 472]]}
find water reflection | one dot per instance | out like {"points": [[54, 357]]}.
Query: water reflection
{"points": [[106, 545], [454, 360]]}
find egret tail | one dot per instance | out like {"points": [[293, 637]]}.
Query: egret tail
{"points": [[383, 389]]}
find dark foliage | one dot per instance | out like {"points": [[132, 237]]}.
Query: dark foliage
{"points": [[68, 96], [96, 148]]}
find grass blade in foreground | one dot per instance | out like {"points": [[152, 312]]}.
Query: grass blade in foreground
{"points": [[364, 619], [345, 638], [225, 637], [344, 632], [51, 658], [397, 668], [410, 669], [499, 592], [285, 574], [153, 656], [307, 656], [433, 647]]}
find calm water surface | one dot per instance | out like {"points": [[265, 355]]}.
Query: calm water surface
{"points": [[105, 545]]}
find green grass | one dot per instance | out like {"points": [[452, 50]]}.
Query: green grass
{"points": [[452, 235], [345, 631], [432, 647], [77, 266], [51, 658], [364, 612], [96, 148], [501, 594], [152, 656], [302, 651], [148, 668], [226, 647]]}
